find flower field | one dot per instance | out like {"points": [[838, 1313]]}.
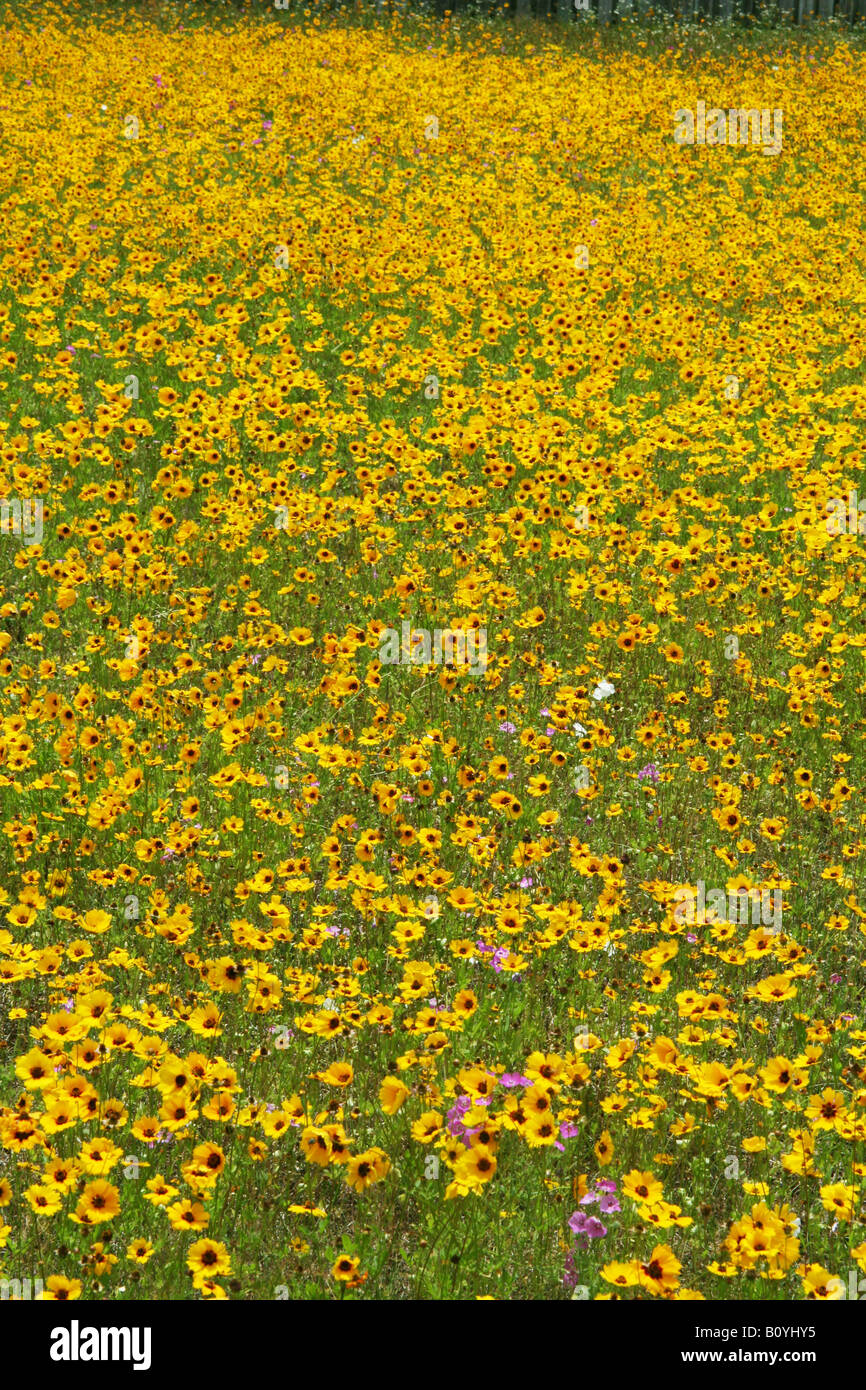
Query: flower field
{"points": [[334, 964]]}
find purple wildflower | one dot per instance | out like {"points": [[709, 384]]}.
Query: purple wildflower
{"points": [[584, 1225]]}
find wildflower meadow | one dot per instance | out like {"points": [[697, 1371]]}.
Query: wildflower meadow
{"points": [[432, 573]]}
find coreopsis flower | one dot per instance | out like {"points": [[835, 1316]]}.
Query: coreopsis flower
{"points": [[660, 1273], [100, 1201], [346, 1270], [392, 1094], [59, 1289], [819, 1285], [206, 1258]]}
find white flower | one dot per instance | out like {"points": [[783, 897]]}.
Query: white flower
{"points": [[579, 730], [602, 690]]}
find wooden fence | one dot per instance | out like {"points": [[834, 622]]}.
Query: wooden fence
{"points": [[724, 11]]}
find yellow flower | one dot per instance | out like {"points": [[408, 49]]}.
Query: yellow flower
{"points": [[60, 1290], [819, 1285], [367, 1168], [392, 1094], [95, 921], [337, 1074]]}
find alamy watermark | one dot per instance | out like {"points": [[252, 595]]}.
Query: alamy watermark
{"points": [[25, 518], [847, 516], [764, 907], [450, 646], [76, 1343], [737, 126], [21, 1289]]}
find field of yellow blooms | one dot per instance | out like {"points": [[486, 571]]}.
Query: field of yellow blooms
{"points": [[336, 963]]}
